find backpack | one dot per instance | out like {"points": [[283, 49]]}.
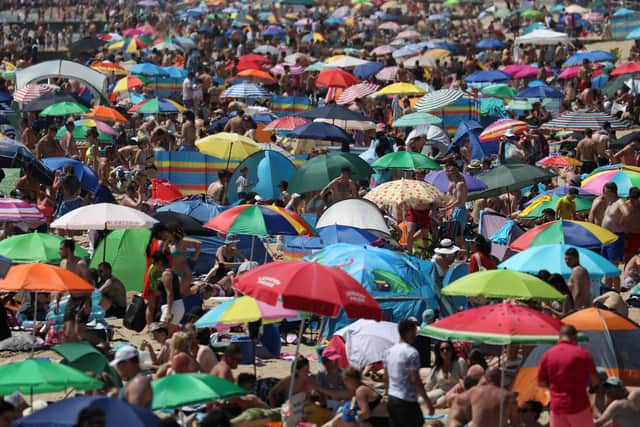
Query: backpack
{"points": [[134, 318]]}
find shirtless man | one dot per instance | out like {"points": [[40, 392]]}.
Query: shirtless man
{"points": [[579, 283], [481, 404], [28, 135], [341, 187], [627, 156], [588, 151], [612, 301], [48, 145], [631, 223], [456, 199], [612, 220], [230, 360], [105, 167], [68, 142], [623, 409], [188, 132]]}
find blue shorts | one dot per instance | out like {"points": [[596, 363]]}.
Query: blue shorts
{"points": [[459, 217], [615, 250]]}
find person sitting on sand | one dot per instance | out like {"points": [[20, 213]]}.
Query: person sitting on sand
{"points": [[447, 371], [623, 409], [303, 383], [160, 333], [230, 360]]}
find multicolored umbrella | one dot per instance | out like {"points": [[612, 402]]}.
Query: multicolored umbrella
{"points": [[244, 310], [36, 247], [497, 324], [80, 133], [407, 160], [335, 77], [64, 108], [35, 376], [438, 99], [286, 123], [357, 91], [503, 284], [100, 126], [131, 45], [260, 220], [579, 120], [416, 119], [578, 233], [30, 92], [16, 210], [108, 67], [625, 177], [157, 105], [498, 129], [540, 203], [438, 53], [558, 161], [178, 390], [127, 83], [406, 191]]}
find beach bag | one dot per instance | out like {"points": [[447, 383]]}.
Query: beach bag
{"points": [[134, 318]]}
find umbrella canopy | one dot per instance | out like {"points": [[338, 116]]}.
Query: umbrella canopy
{"points": [[286, 123], [317, 172], [86, 358], [157, 105], [36, 247], [103, 216], [80, 134], [491, 44], [625, 177], [367, 341], [438, 99], [43, 278], [551, 258], [497, 324], [487, 76], [358, 213], [510, 177], [16, 210], [497, 130], [368, 69], [30, 92], [559, 161], [34, 376], [246, 90], [178, 390], [408, 160], [540, 203], [260, 220], [64, 413], [401, 89], [226, 145], [440, 180], [87, 177], [322, 132], [348, 62], [540, 92], [591, 56], [416, 119], [357, 91], [578, 233], [188, 224], [335, 77], [580, 120], [331, 234], [503, 284], [499, 90], [127, 83], [86, 45], [196, 208], [13, 155], [334, 112], [64, 108], [407, 191], [108, 67], [311, 287], [244, 310], [107, 114], [48, 99], [257, 76], [628, 68]]}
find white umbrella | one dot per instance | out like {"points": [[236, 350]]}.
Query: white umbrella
{"points": [[347, 62], [422, 60], [367, 340], [104, 216], [349, 124], [634, 85], [358, 213], [266, 49]]}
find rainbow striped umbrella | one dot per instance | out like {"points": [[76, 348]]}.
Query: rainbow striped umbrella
{"points": [[131, 45], [107, 67], [625, 177], [128, 83], [157, 105], [498, 129], [260, 220], [578, 233], [578, 120]]}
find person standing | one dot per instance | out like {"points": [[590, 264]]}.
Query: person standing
{"points": [[579, 283], [612, 220], [566, 205], [456, 199], [243, 185], [587, 151], [402, 381], [566, 369], [68, 142]]}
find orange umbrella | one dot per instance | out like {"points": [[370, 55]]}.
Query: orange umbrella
{"points": [[43, 278], [335, 77], [256, 76], [106, 114], [107, 67]]}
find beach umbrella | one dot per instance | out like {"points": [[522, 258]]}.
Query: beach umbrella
{"points": [[539, 92], [510, 177], [580, 120], [441, 182], [244, 310], [157, 105], [108, 67], [260, 220], [438, 99], [168, 46], [366, 70], [563, 191], [438, 53], [406, 191], [36, 247], [49, 99], [87, 177], [578, 233], [332, 77], [286, 123], [227, 145], [178, 390], [401, 89], [313, 37], [347, 62], [189, 225], [16, 210], [531, 13], [407, 160], [382, 50], [86, 45], [331, 234], [246, 90], [519, 105], [551, 258], [80, 133], [499, 90], [130, 45], [422, 61], [357, 91], [194, 207], [503, 284], [101, 112], [64, 108], [487, 76], [590, 55], [322, 132], [316, 173], [501, 324], [416, 119], [625, 177], [540, 203], [103, 216], [257, 76], [15, 155], [127, 83], [575, 8], [531, 72], [86, 358], [558, 161], [35, 376], [294, 69], [388, 74], [148, 69], [628, 68], [498, 129], [266, 49], [358, 213], [491, 44], [367, 341], [406, 51], [64, 413], [30, 92]]}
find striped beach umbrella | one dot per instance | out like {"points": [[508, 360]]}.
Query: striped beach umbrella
{"points": [[15, 210], [498, 129], [625, 177], [438, 99], [416, 119], [286, 123], [107, 67], [357, 91], [157, 105], [246, 90], [294, 69], [388, 74], [128, 83], [578, 120], [30, 92]]}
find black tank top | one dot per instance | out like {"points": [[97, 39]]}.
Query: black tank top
{"points": [[175, 284]]}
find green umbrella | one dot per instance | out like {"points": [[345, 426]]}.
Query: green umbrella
{"points": [[405, 160], [502, 284], [509, 177], [188, 389], [316, 66], [34, 376], [65, 108], [80, 133], [126, 253], [534, 210], [416, 119], [531, 13], [36, 247], [316, 173], [300, 2], [502, 91], [85, 357], [520, 104], [501, 13]]}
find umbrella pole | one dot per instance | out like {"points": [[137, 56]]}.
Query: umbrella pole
{"points": [[35, 318], [253, 240], [501, 386], [104, 246], [295, 361], [229, 156]]}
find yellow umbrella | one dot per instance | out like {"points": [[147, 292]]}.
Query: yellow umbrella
{"points": [[333, 58], [437, 53], [392, 5], [403, 89], [227, 145]]}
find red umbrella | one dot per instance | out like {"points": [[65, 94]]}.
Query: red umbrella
{"points": [[335, 77], [310, 287], [628, 68], [286, 123], [164, 191], [252, 57]]}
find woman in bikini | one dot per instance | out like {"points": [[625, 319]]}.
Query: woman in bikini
{"points": [[183, 249]]}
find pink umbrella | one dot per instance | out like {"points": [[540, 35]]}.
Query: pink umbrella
{"points": [[357, 91], [286, 123], [531, 72], [130, 32], [408, 34], [388, 74], [294, 69], [30, 92], [513, 69], [101, 126], [383, 50], [571, 72], [391, 26], [593, 17], [147, 29]]}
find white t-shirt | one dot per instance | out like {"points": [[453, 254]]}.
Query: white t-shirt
{"points": [[187, 89], [242, 184], [399, 360]]}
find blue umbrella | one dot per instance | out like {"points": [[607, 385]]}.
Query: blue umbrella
{"points": [[335, 112], [266, 169], [332, 234], [274, 31], [551, 258], [64, 413], [405, 51], [185, 42], [591, 55], [624, 12], [540, 92], [451, 47], [196, 208], [265, 118], [536, 83], [487, 76], [5, 97], [321, 131], [148, 69], [333, 21], [491, 44], [470, 129], [246, 90], [175, 72], [87, 177], [195, 12], [367, 70], [440, 180], [598, 82]]}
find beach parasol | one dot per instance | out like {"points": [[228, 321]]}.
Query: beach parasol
{"points": [[551, 258], [35, 376], [80, 133], [257, 76], [438, 99], [580, 120], [16, 210], [294, 69], [331, 234], [367, 70], [127, 83], [624, 177], [628, 68], [510, 177], [101, 112], [487, 76], [36, 247], [401, 89], [498, 129], [30, 92], [244, 310], [367, 341], [285, 123], [322, 132], [540, 92], [388, 74], [416, 119], [227, 145], [189, 225], [157, 105], [260, 220], [108, 67], [64, 108], [246, 90], [85, 45], [441, 181], [357, 91], [438, 53], [407, 191], [591, 56], [317, 172], [103, 216], [503, 284], [540, 203], [334, 77], [382, 50], [407, 160], [578, 233], [499, 90], [178, 390], [87, 358], [87, 177], [558, 161], [491, 44], [347, 62]]}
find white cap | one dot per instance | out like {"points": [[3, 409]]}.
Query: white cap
{"points": [[124, 353], [509, 133]]}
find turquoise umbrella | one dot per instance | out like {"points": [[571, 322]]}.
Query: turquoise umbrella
{"points": [[416, 119]]}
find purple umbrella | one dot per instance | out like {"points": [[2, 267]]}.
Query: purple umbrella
{"points": [[440, 180]]}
